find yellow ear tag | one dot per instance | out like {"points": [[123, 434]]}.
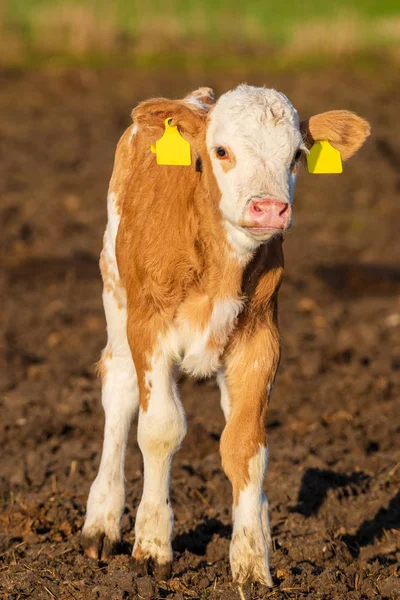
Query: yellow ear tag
{"points": [[172, 148], [324, 158]]}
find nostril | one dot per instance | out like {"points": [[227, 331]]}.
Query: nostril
{"points": [[256, 208], [283, 209]]}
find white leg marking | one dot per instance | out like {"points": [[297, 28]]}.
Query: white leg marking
{"points": [[225, 399], [161, 430], [249, 549], [120, 402]]}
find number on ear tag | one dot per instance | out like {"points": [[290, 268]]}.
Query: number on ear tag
{"points": [[324, 158], [172, 148]]}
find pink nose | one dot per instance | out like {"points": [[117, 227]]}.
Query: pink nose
{"points": [[267, 212]]}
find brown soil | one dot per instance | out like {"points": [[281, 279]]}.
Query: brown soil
{"points": [[334, 470]]}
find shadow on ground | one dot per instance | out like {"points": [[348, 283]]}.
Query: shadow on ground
{"points": [[316, 484], [372, 529]]}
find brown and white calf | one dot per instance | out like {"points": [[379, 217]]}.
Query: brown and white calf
{"points": [[192, 263]]}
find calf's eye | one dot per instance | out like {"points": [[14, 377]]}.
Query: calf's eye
{"points": [[297, 155], [295, 160], [221, 152]]}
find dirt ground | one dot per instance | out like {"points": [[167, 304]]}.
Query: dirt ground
{"points": [[334, 468]]}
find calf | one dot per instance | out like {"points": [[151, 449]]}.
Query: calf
{"points": [[191, 264]]}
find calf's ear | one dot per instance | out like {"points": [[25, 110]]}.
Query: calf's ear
{"points": [[202, 98], [343, 129], [150, 117]]}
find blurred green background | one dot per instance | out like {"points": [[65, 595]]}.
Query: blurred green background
{"points": [[97, 32]]}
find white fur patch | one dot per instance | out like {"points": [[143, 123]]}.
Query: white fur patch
{"points": [[109, 256], [225, 399], [132, 132], [249, 547], [198, 359], [241, 243], [223, 317], [197, 102], [113, 221]]}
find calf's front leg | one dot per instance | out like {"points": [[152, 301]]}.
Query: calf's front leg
{"points": [[161, 429], [250, 368], [226, 408]]}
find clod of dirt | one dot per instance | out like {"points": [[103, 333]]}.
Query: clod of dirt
{"points": [[390, 587], [203, 583], [145, 587]]}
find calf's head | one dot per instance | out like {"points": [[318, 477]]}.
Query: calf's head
{"points": [[255, 142]]}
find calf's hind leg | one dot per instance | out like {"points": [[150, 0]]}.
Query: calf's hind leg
{"points": [[120, 398]]}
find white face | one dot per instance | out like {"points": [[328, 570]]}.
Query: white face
{"points": [[254, 141]]}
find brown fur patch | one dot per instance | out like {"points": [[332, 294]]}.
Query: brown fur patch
{"points": [[196, 310], [345, 130], [142, 338], [229, 163], [101, 367], [138, 554]]}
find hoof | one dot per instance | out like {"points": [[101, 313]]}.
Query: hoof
{"points": [[162, 572], [148, 566], [99, 546]]}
